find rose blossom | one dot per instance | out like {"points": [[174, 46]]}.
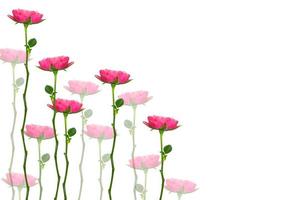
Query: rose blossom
{"points": [[180, 186], [26, 16], [55, 63], [16, 179], [39, 132], [82, 87], [12, 56], [135, 98], [66, 106], [113, 77], [158, 122], [98, 131], [145, 162]]}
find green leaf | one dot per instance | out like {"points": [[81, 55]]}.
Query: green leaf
{"points": [[106, 157], [49, 89], [45, 157], [72, 132], [88, 113], [167, 149], [119, 103], [19, 82], [32, 42], [128, 123], [139, 188]]}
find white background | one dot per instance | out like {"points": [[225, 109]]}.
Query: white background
{"points": [[227, 70]]}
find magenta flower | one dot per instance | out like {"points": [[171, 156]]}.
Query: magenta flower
{"points": [[145, 162], [55, 63], [39, 132], [135, 98], [12, 56], [180, 186], [82, 88], [161, 123], [113, 77], [16, 179], [26, 16], [98, 131], [66, 106]]}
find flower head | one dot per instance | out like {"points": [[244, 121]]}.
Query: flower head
{"points": [[161, 123], [55, 63], [12, 56], [39, 132], [180, 186], [113, 77], [98, 131], [66, 106], [135, 98], [83, 88], [16, 179], [145, 162], [26, 16]]}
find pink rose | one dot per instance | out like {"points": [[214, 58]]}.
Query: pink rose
{"points": [[145, 162], [113, 77], [66, 106], [12, 56], [165, 123], [135, 98], [26, 16], [82, 87], [180, 186], [98, 131], [39, 132], [55, 63], [16, 179]]}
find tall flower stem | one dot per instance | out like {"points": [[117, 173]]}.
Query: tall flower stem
{"points": [[40, 168], [53, 98], [145, 184], [162, 157], [67, 141], [15, 89], [20, 193], [25, 111], [132, 132], [115, 110], [101, 168], [179, 196], [83, 149]]}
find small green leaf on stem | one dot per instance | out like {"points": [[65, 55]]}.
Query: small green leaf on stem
{"points": [[32, 42], [119, 103], [88, 113], [106, 157], [72, 132], [139, 188], [45, 157], [167, 149], [128, 123], [49, 89], [19, 82]]}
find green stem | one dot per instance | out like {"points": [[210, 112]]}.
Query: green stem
{"points": [[25, 112], [162, 157], [13, 127], [53, 98], [40, 168], [20, 193], [179, 195], [145, 184], [82, 151], [66, 157], [114, 142], [132, 131], [101, 168]]}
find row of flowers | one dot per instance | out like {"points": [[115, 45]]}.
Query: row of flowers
{"points": [[99, 132]]}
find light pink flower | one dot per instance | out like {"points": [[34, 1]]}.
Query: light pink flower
{"points": [[66, 106], [26, 16], [82, 87], [40, 132], [16, 179], [145, 162], [180, 186], [135, 98], [55, 63], [98, 131], [12, 55], [113, 77], [165, 123]]}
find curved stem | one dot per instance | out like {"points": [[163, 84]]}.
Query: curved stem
{"points": [[162, 157], [101, 168], [82, 151], [145, 184], [66, 157], [132, 131], [25, 112], [114, 142], [13, 127], [53, 98], [40, 168]]}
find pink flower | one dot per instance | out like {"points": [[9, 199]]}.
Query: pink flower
{"points": [[39, 132], [55, 63], [12, 56], [135, 98], [180, 186], [113, 77], [145, 162], [82, 87], [165, 123], [98, 131], [66, 106], [16, 179], [26, 16]]}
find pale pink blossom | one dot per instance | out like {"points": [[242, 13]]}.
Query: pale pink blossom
{"points": [[16, 179], [55, 63], [113, 77], [39, 132], [164, 123], [99, 131], [135, 98], [66, 106], [82, 87], [13, 56], [180, 186], [145, 162], [26, 16]]}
